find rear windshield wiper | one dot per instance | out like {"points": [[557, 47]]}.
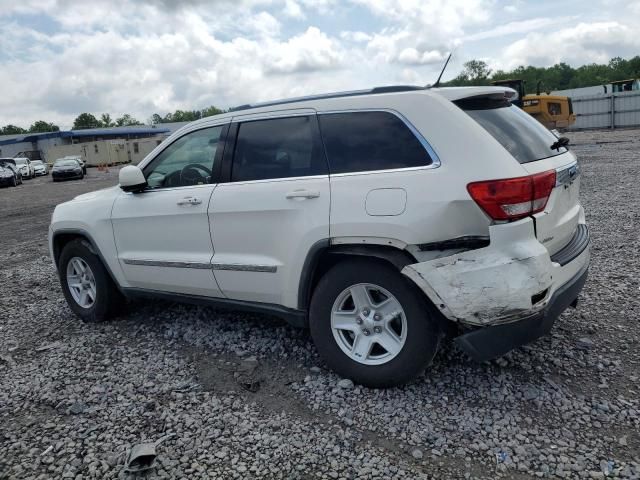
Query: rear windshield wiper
{"points": [[561, 142]]}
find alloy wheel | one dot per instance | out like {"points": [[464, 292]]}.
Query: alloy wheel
{"points": [[368, 324], [81, 282]]}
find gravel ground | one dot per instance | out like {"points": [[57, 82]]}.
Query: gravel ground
{"points": [[246, 396]]}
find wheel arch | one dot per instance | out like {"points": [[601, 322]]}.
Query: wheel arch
{"points": [[323, 255], [60, 238]]}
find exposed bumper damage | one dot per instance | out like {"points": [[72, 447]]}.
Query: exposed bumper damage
{"points": [[493, 284], [485, 343], [508, 293]]}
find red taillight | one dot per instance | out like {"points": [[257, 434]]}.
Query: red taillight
{"points": [[513, 198]]}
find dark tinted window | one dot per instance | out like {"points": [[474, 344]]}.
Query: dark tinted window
{"points": [[278, 148], [524, 137], [364, 141]]}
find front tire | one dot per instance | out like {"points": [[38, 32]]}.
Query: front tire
{"points": [[86, 284], [372, 325]]}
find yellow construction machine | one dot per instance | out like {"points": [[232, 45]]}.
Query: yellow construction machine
{"points": [[553, 111]]}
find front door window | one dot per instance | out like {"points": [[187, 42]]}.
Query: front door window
{"points": [[187, 161]]}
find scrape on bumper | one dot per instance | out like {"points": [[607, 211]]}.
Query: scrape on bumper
{"points": [[509, 279]]}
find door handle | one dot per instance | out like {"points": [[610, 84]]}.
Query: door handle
{"points": [[304, 194], [189, 201]]}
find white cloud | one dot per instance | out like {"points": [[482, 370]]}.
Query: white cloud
{"points": [[519, 27], [422, 31], [351, 36], [313, 50], [147, 56], [293, 9], [583, 43], [411, 56], [143, 69]]}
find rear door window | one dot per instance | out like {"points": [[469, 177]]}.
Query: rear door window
{"points": [[368, 141], [526, 139], [278, 148]]}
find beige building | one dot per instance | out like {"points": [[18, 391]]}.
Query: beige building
{"points": [[97, 146], [107, 152]]}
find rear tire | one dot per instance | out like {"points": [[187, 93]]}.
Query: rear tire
{"points": [[107, 299], [400, 315]]}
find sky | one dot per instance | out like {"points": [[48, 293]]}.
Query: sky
{"points": [[59, 58]]}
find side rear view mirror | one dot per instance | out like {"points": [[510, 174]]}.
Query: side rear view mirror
{"points": [[132, 179]]}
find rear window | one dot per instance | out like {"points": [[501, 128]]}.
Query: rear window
{"points": [[523, 136], [367, 141], [66, 163]]}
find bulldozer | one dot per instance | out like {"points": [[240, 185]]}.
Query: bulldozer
{"points": [[553, 111]]}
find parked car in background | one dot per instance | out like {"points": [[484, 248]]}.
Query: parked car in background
{"points": [[66, 169], [40, 167], [79, 159], [383, 220], [26, 168], [10, 175]]}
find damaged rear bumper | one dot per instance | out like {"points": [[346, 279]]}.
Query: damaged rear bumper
{"points": [[511, 279], [485, 343], [509, 292]]}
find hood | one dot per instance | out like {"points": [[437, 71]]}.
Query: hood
{"points": [[105, 192]]}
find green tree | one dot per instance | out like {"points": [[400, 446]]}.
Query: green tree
{"points": [[11, 130], [126, 120], [185, 115], [475, 72], [556, 77], [106, 121], [41, 126], [85, 120], [210, 111]]}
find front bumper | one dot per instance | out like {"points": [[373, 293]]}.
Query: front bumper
{"points": [[6, 181], [485, 343], [66, 175]]}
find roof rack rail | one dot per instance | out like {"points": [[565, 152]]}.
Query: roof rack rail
{"points": [[353, 93]]}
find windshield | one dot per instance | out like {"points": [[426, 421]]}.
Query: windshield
{"points": [[36, 162], [21, 161], [523, 136], [66, 163]]}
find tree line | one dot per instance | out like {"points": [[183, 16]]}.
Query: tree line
{"points": [[88, 120], [557, 77]]}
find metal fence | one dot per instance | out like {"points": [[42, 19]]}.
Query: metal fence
{"points": [[615, 110]]}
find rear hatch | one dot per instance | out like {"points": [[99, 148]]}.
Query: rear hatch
{"points": [[532, 145]]}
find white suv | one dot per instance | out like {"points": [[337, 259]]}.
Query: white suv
{"points": [[381, 219], [25, 166]]}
